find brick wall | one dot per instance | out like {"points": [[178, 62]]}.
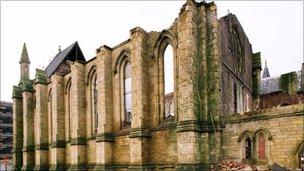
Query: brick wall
{"points": [[280, 99]]}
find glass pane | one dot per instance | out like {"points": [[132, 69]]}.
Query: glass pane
{"points": [[168, 70]]}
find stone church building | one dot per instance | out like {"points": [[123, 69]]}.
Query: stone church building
{"points": [[117, 110]]}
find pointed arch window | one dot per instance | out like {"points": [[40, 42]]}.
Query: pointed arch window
{"points": [[69, 109], [50, 116], [128, 93], [165, 73], [248, 148], [169, 81], [94, 102]]}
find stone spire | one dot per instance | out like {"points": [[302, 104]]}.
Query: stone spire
{"points": [[24, 65], [265, 71], [24, 55]]}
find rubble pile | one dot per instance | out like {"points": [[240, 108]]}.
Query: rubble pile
{"points": [[235, 165]]}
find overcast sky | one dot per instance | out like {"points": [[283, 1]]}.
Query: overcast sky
{"points": [[275, 28]]}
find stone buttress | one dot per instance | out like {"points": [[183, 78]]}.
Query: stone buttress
{"points": [[17, 128], [58, 144], [104, 138], [41, 123], [139, 134], [78, 123]]}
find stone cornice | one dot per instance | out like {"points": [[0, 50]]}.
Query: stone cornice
{"points": [[28, 148], [188, 125], [196, 126], [17, 150], [165, 126], [139, 133], [105, 137], [58, 144], [281, 112], [42, 146], [79, 141]]}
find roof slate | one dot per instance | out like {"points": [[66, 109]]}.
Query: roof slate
{"points": [[272, 84], [72, 53]]}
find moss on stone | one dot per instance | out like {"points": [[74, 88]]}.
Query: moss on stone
{"points": [[286, 82], [255, 87], [256, 60], [17, 93], [40, 77]]}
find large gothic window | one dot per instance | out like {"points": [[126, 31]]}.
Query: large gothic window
{"points": [[165, 74], [128, 93], [235, 48], [94, 101], [169, 81]]}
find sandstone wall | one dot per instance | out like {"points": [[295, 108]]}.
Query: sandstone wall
{"points": [[285, 126]]}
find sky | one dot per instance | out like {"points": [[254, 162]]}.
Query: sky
{"points": [[274, 28]]}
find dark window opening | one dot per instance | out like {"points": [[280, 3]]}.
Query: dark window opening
{"points": [[69, 109], [248, 148], [95, 96], [235, 97], [51, 115]]}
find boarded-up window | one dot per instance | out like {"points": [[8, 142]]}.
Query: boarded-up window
{"points": [[261, 148]]}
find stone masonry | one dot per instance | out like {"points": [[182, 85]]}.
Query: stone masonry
{"points": [[108, 113]]}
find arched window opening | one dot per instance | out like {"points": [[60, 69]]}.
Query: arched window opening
{"points": [[128, 93], [69, 108], [169, 81], [94, 101], [235, 101], [248, 148], [50, 116], [261, 147]]}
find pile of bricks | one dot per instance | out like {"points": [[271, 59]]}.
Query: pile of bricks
{"points": [[235, 165]]}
